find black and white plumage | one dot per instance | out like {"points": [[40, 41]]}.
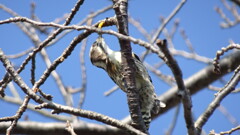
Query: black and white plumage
{"points": [[103, 57]]}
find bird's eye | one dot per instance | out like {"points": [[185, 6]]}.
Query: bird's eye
{"points": [[95, 44]]}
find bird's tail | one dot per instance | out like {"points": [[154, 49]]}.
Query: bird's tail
{"points": [[158, 104], [146, 116]]}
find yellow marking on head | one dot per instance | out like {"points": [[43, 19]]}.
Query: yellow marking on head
{"points": [[100, 24]]}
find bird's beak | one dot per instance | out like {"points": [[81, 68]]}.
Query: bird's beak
{"points": [[100, 40], [101, 43]]}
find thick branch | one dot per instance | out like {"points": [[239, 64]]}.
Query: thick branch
{"points": [[120, 7], [38, 128]]}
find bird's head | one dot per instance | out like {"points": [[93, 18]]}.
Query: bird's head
{"points": [[99, 53]]}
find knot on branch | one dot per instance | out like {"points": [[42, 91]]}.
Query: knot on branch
{"points": [[43, 105]]}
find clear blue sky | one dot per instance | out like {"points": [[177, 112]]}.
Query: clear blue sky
{"points": [[197, 17]]}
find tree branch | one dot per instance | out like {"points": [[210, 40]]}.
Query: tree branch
{"points": [[58, 128], [197, 82], [182, 91], [121, 11], [227, 89], [6, 79], [166, 21], [60, 108]]}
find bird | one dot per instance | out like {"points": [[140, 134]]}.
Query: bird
{"points": [[103, 57]]}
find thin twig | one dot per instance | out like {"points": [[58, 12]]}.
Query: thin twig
{"points": [[92, 15], [230, 131], [166, 21], [220, 53], [33, 70], [224, 17], [11, 118], [113, 89], [25, 52], [174, 28], [233, 9], [43, 30], [182, 53], [32, 11], [228, 115], [14, 92], [187, 40], [214, 88], [140, 28], [18, 115], [83, 70], [192, 56], [168, 79], [174, 121]]}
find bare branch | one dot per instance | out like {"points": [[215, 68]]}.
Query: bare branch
{"points": [[89, 114], [121, 10], [182, 53], [214, 88], [69, 128], [18, 115], [174, 121], [171, 97], [197, 82], [188, 42], [233, 9], [228, 88], [33, 70], [30, 106], [113, 89], [228, 115], [58, 128], [25, 52], [183, 92], [91, 29], [193, 56], [139, 27], [221, 52], [92, 15], [166, 78], [60, 108], [159, 30], [230, 131], [83, 69], [6, 79]]}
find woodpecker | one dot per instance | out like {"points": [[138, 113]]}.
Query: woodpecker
{"points": [[103, 57]]}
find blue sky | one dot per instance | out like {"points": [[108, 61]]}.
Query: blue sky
{"points": [[197, 18]]}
